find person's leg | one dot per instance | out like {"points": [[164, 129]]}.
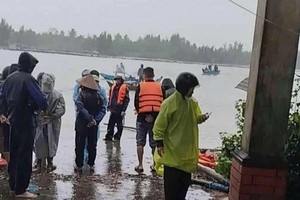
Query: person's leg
{"points": [[24, 160], [119, 120], [6, 130], [92, 145], [85, 154], [50, 165], [185, 182], [152, 143], [79, 148], [171, 182], [110, 127], [141, 133], [12, 164]]}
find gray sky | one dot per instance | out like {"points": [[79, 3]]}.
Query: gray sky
{"points": [[204, 22]]}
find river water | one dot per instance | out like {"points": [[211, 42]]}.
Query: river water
{"points": [[216, 94]]}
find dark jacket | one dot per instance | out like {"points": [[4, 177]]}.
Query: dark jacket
{"points": [[113, 106], [21, 95], [168, 86], [88, 104]]}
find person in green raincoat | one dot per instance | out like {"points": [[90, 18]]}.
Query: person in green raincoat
{"points": [[176, 135]]}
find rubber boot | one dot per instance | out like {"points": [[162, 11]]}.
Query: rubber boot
{"points": [[38, 166], [50, 167]]}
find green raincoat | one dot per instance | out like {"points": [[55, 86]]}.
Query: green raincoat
{"points": [[177, 126]]}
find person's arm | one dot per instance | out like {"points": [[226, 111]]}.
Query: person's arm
{"points": [[3, 105], [35, 93], [163, 92], [76, 92], [100, 114], [126, 101], [160, 126], [136, 98], [60, 108], [81, 109]]}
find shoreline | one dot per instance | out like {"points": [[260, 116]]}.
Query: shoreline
{"points": [[122, 57]]}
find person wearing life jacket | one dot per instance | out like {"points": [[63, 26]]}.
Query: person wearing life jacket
{"points": [[177, 138], [148, 97], [117, 104]]}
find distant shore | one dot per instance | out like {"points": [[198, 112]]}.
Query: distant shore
{"points": [[120, 57]]}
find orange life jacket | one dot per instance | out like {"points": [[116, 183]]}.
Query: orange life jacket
{"points": [[150, 97], [121, 94]]}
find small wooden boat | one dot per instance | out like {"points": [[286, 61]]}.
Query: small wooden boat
{"points": [[132, 85], [110, 77], [210, 72]]}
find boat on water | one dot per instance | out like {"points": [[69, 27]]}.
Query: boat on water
{"points": [[110, 77], [209, 71], [132, 85]]}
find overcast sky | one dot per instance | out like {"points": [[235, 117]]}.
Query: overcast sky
{"points": [[204, 22]]}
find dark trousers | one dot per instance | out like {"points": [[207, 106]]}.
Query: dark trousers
{"points": [[90, 134], [6, 130], [176, 183], [19, 166], [114, 118]]}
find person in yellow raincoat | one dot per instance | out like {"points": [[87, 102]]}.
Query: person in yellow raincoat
{"points": [[176, 135]]}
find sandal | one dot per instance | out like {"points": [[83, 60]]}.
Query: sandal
{"points": [[152, 168], [139, 170]]}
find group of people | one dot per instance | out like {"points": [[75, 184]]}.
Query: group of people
{"points": [[216, 68], [167, 114]]}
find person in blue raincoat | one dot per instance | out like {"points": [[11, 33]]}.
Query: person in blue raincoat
{"points": [[21, 98]]}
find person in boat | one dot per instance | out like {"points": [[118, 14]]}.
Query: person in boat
{"points": [[168, 86], [21, 98], [49, 124], [140, 73], [176, 136], [117, 106], [148, 97], [89, 115], [120, 70], [209, 67], [216, 69], [122, 66]]}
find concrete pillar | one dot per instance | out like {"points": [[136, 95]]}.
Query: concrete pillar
{"points": [[258, 170]]}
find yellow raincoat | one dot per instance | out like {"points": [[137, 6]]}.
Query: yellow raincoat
{"points": [[177, 126]]}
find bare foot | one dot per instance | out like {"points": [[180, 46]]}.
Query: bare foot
{"points": [[27, 195]]}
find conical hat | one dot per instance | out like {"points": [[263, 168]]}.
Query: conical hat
{"points": [[88, 82]]}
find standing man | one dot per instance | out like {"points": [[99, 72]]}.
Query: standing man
{"points": [[140, 73], [117, 105], [21, 97], [89, 115], [148, 97], [176, 135]]}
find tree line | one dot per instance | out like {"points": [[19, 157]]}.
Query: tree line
{"points": [[154, 47]]}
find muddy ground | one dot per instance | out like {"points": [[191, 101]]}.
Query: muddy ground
{"points": [[114, 176]]}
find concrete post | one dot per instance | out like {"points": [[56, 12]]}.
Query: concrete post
{"points": [[258, 170]]}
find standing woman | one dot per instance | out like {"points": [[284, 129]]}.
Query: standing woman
{"points": [[49, 123]]}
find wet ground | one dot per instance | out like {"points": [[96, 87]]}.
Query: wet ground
{"points": [[114, 176]]}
